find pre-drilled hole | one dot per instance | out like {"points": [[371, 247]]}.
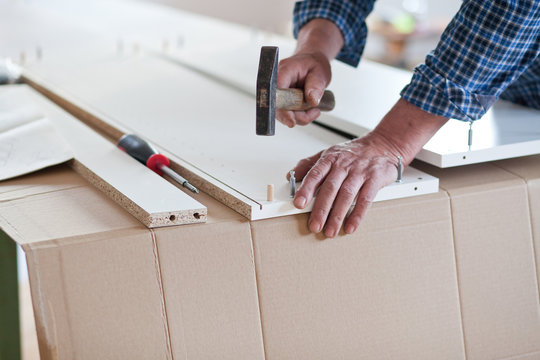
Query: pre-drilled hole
{"points": [[419, 178], [415, 188], [464, 157], [172, 217], [197, 216]]}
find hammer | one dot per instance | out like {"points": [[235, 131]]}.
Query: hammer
{"points": [[269, 96]]}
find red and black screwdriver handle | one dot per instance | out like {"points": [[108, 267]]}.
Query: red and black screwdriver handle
{"points": [[143, 152]]}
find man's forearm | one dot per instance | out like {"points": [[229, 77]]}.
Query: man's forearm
{"points": [[407, 128], [320, 35]]}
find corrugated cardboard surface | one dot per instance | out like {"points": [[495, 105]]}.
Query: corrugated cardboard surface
{"points": [[87, 302], [57, 204], [495, 261], [210, 291], [105, 287], [445, 276], [528, 168], [386, 292]]}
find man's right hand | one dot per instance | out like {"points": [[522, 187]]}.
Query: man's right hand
{"points": [[319, 41], [308, 71]]}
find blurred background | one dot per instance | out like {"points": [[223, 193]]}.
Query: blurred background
{"points": [[401, 31]]}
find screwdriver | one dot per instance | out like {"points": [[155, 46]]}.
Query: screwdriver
{"points": [[142, 151]]}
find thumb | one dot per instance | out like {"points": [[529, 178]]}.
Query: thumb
{"points": [[314, 86], [304, 165]]}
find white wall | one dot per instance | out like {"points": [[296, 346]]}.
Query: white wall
{"points": [[275, 15], [271, 15]]}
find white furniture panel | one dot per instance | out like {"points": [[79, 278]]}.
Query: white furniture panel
{"points": [[206, 126]]}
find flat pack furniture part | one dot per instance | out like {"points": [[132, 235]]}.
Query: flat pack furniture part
{"points": [[364, 95], [204, 126], [54, 29], [144, 194], [230, 52]]}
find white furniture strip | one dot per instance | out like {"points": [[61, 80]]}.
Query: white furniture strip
{"points": [[144, 194]]}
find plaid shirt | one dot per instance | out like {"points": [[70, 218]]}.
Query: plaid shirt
{"points": [[490, 49]]}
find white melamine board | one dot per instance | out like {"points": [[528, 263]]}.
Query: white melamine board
{"points": [[86, 30], [208, 128], [505, 131], [364, 96], [140, 191]]}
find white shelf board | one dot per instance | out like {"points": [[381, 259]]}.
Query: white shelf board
{"points": [[143, 193], [206, 126], [364, 96]]}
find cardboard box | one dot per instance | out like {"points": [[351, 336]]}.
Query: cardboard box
{"points": [[444, 276], [104, 286], [495, 260], [528, 168]]}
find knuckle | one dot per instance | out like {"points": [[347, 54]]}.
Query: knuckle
{"points": [[348, 190], [320, 213], [326, 161], [364, 200], [337, 218], [316, 172], [333, 183]]}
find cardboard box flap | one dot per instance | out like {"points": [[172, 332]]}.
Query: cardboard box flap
{"points": [[80, 290], [527, 168], [471, 178], [210, 291], [52, 179], [62, 214]]}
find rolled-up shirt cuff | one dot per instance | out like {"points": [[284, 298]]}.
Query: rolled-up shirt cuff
{"points": [[437, 95]]}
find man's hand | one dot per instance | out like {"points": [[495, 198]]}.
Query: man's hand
{"points": [[319, 41], [308, 71], [355, 169], [359, 168]]}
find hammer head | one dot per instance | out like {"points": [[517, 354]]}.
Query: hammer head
{"points": [[266, 91]]}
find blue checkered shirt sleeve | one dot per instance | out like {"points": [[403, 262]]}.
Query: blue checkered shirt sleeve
{"points": [[489, 46], [486, 47], [348, 15]]}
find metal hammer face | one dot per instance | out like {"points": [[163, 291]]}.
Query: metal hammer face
{"points": [[266, 91]]}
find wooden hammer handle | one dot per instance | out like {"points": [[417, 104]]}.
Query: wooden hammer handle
{"points": [[293, 99]]}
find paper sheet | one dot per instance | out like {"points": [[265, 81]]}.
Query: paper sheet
{"points": [[28, 140]]}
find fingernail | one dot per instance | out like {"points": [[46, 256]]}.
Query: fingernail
{"points": [[349, 229], [330, 233], [316, 228], [315, 96], [300, 202]]}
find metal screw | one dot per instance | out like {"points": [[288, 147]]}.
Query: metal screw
{"points": [[469, 142], [399, 170], [292, 182]]}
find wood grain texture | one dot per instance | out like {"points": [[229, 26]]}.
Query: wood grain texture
{"points": [[144, 194], [293, 99]]}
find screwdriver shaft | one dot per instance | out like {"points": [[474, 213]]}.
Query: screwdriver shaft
{"points": [[179, 179]]}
